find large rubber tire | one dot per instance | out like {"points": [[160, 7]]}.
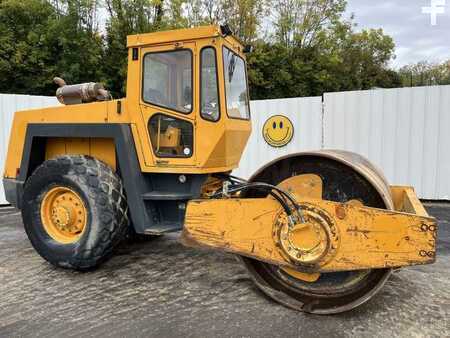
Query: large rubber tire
{"points": [[103, 196], [333, 292]]}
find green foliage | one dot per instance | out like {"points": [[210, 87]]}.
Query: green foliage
{"points": [[79, 45], [304, 23], [142, 16], [126, 17], [333, 59], [425, 74], [243, 16], [365, 56], [27, 60], [302, 47], [40, 41]]}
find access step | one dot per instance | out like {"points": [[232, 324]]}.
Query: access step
{"points": [[163, 228]]}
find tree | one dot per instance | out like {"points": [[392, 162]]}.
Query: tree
{"points": [[311, 61], [243, 16], [127, 17], [425, 73], [79, 43], [305, 47], [26, 58], [40, 41], [302, 23], [365, 57]]}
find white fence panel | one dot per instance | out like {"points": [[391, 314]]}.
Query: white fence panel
{"points": [[8, 105], [403, 131], [306, 117]]}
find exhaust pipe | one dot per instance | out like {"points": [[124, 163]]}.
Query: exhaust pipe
{"points": [[80, 93]]}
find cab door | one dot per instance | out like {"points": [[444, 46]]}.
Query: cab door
{"points": [[168, 105]]}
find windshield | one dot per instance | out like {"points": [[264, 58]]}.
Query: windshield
{"points": [[235, 85], [168, 79]]}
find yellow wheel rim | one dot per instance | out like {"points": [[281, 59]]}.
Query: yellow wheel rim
{"points": [[63, 215], [309, 185]]}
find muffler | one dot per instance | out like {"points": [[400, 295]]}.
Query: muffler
{"points": [[80, 93]]}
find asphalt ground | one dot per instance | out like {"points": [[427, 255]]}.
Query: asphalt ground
{"points": [[162, 289]]}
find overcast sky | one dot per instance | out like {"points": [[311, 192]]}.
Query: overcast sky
{"points": [[415, 38]]}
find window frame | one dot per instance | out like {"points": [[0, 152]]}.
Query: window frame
{"points": [[191, 54], [217, 84], [225, 86]]}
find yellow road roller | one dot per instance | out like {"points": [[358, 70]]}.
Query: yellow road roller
{"points": [[319, 232]]}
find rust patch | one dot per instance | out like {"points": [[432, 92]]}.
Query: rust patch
{"points": [[207, 234], [356, 231], [341, 213]]}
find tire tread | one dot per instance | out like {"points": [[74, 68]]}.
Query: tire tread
{"points": [[106, 191]]}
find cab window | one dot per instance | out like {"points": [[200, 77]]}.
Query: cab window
{"points": [[167, 80], [170, 136], [235, 85], [209, 85]]}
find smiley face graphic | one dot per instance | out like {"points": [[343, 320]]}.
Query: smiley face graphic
{"points": [[278, 131]]}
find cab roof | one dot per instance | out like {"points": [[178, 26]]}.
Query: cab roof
{"points": [[175, 35]]}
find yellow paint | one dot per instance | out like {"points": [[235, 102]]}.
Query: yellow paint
{"points": [[104, 150], [306, 185], [405, 200], [357, 203], [308, 242], [335, 236], [100, 148], [278, 131], [218, 146], [362, 237], [182, 36], [211, 186], [307, 277], [63, 215]]}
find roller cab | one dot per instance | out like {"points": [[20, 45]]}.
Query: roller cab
{"points": [[185, 117], [318, 232]]}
